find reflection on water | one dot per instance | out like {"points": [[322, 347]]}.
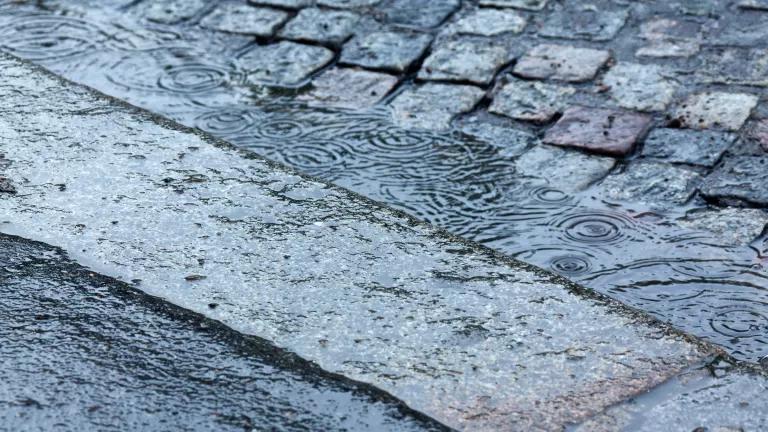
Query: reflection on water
{"points": [[461, 183]]}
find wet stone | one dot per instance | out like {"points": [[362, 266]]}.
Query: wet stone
{"points": [[530, 101], [433, 106], [348, 4], [419, 13], [667, 48], [534, 5], [290, 4], [238, 18], [599, 130], [584, 21], [687, 146], [566, 170], [735, 66], [746, 34], [759, 133], [349, 88], [716, 110], [738, 180], [658, 185], [284, 63], [562, 63], [640, 87], [386, 50], [730, 226], [172, 11], [510, 141], [761, 5], [474, 61], [489, 22], [318, 25]]}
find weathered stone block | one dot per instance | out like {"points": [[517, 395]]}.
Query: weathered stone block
{"points": [[474, 61], [739, 179], [657, 185], [433, 106], [565, 170], [419, 13], [244, 19], [517, 4], [640, 87], [489, 22], [599, 130], [562, 63], [319, 25], [687, 146], [385, 50], [578, 20], [349, 88], [283, 63], [716, 110], [530, 101], [731, 226], [172, 11]]}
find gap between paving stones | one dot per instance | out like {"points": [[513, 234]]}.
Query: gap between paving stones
{"points": [[527, 349]]}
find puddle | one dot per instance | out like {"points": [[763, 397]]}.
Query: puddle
{"points": [[463, 184]]}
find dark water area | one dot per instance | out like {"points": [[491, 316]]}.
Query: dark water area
{"points": [[466, 183]]}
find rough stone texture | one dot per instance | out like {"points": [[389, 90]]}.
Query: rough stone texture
{"points": [[731, 401], [730, 226], [565, 170], [759, 132], [600, 130], [465, 61], [349, 88], [386, 50], [171, 11], [657, 185], [560, 62], [473, 340], [94, 354], [580, 20], [291, 4], [489, 22], [640, 87], [739, 179], [433, 106], [735, 66], [535, 5], [348, 4], [284, 63], [238, 18], [318, 25], [419, 13], [530, 101], [669, 48], [716, 110], [687, 146], [511, 142], [761, 5]]}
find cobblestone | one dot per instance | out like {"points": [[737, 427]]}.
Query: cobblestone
{"points": [[741, 179], [433, 106], [385, 50], [534, 5], [172, 11], [580, 20], [566, 170], [730, 226], [599, 130], [419, 13], [716, 110], [349, 88], [658, 185], [290, 4], [562, 63], [318, 25], [489, 22], [284, 63], [474, 61], [237, 18], [530, 101], [640, 87], [348, 4], [687, 146]]}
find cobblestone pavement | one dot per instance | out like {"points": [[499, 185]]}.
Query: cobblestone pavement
{"points": [[619, 143]]}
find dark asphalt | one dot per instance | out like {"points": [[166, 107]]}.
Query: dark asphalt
{"points": [[81, 351]]}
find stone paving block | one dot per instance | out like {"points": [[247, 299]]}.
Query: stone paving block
{"points": [[385, 50], [735, 66], [433, 106], [489, 22], [716, 110], [172, 11], [687, 146], [511, 142], [640, 87], [283, 63], [290, 4], [474, 61], [348, 4], [530, 101], [535, 5], [669, 48], [562, 63], [761, 5], [244, 19], [738, 180], [319, 25], [566, 170], [745, 34], [349, 88], [419, 13], [474, 340], [580, 20], [759, 133], [599, 130], [730, 226], [660, 186]]}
